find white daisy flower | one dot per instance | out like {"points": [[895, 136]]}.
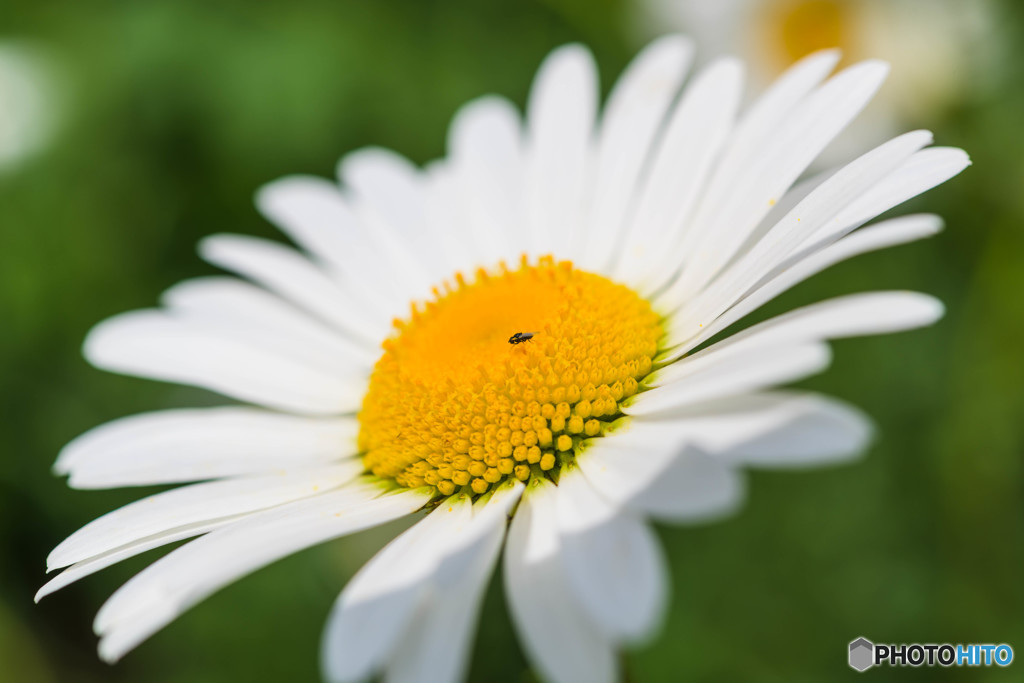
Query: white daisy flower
{"points": [[554, 284], [937, 48]]}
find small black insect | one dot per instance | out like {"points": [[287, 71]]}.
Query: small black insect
{"points": [[520, 337]]}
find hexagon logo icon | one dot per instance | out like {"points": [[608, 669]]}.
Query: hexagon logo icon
{"points": [[862, 654]]}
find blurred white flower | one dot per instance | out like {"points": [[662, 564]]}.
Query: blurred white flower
{"points": [[937, 48], [569, 371], [27, 103]]}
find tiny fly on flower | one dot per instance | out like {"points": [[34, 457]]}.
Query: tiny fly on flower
{"points": [[520, 337]]}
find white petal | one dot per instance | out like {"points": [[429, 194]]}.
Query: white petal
{"points": [[560, 117], [292, 276], [777, 103], [683, 159], [199, 503], [811, 430], [853, 315], [375, 607], [695, 487], [312, 212], [85, 568], [885, 234], [448, 205], [396, 256], [564, 645], [922, 172], [632, 117], [846, 316], [441, 633], [486, 147], [748, 138], [817, 213], [173, 446], [390, 184], [260, 369], [388, 187], [228, 300], [710, 377], [728, 216], [614, 559], [315, 215], [787, 203], [179, 580], [659, 469], [682, 469], [763, 120], [134, 630]]}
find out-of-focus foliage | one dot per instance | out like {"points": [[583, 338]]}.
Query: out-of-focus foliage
{"points": [[173, 113]]}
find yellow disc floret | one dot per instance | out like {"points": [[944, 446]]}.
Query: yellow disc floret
{"points": [[460, 399]]}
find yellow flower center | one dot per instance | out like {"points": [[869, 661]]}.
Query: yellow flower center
{"points": [[460, 400], [790, 29]]}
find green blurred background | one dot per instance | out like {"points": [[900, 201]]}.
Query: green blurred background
{"points": [[172, 112]]}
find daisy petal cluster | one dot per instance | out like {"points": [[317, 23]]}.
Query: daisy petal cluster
{"points": [[938, 48], [522, 340]]}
